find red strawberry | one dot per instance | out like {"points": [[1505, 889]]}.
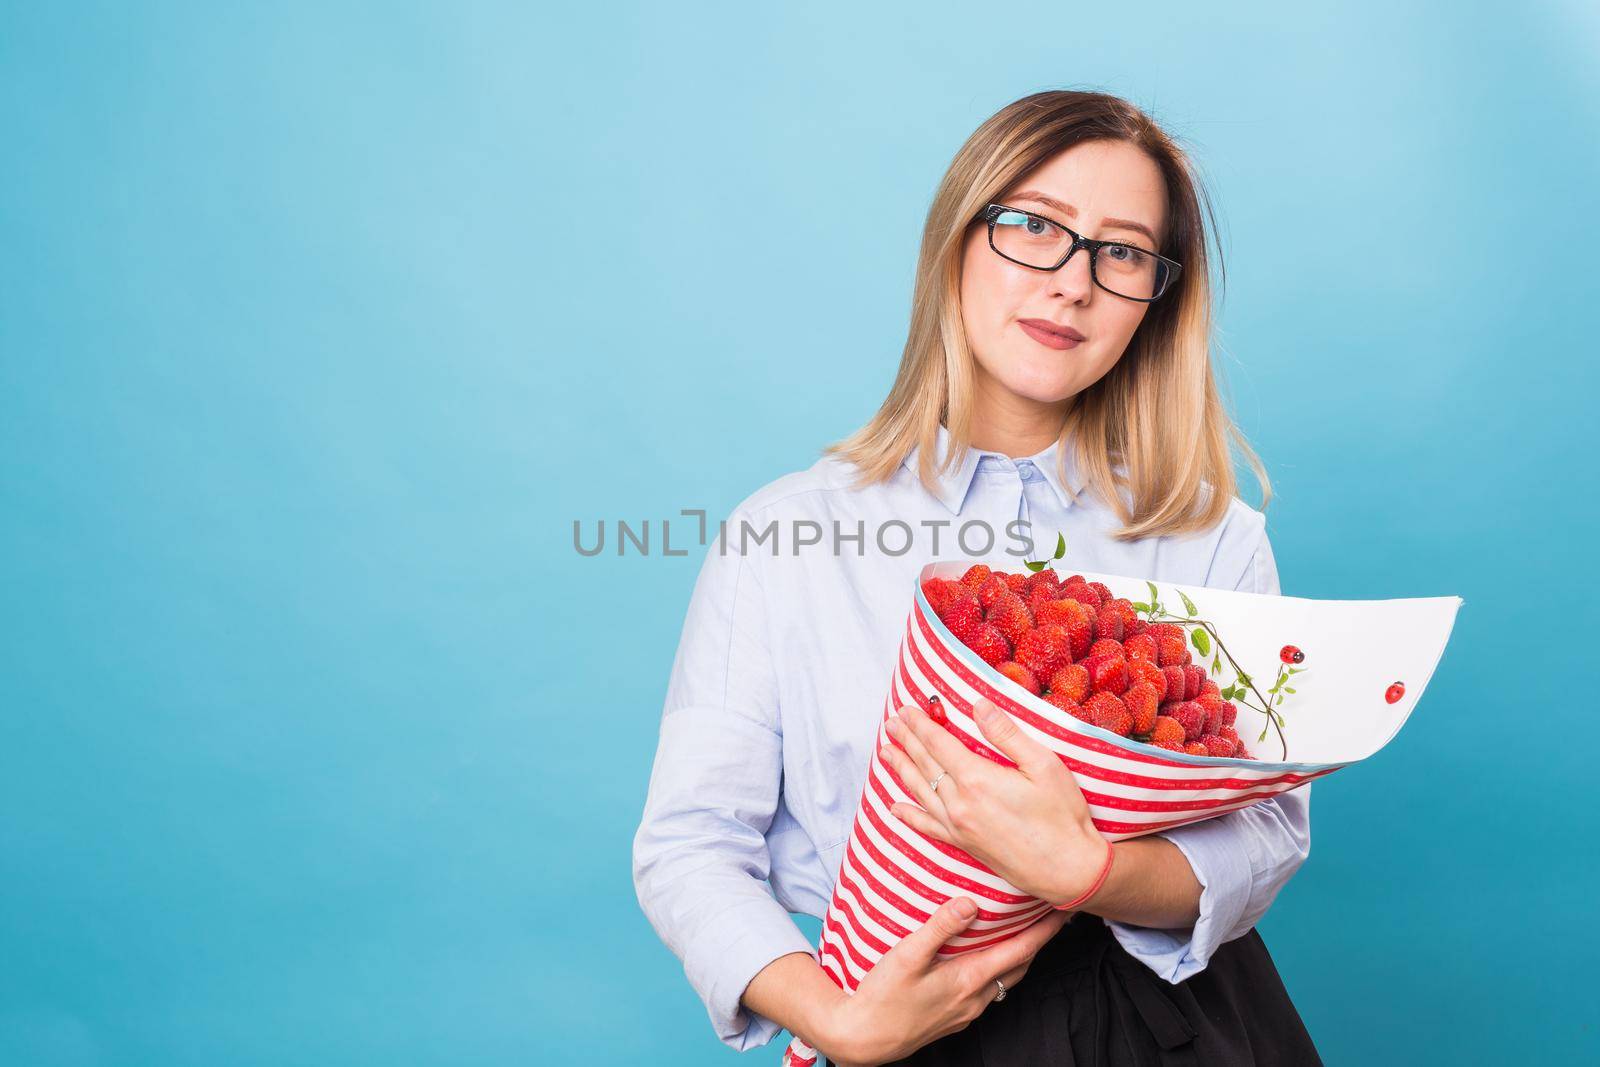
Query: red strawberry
{"points": [[1193, 676], [991, 645], [1107, 624], [1232, 735], [1167, 729], [940, 592], [1081, 593], [1173, 746], [1211, 702], [1100, 587], [1208, 686], [1196, 748], [1229, 713], [1141, 703], [1017, 583], [1217, 746], [1044, 650], [1175, 682], [1011, 615], [1141, 646], [1171, 651], [1140, 670], [1046, 579], [992, 588], [976, 575], [1071, 680], [1107, 674], [963, 617], [1122, 611], [1021, 675], [1068, 705], [1109, 713], [1082, 633], [1105, 646], [1058, 612], [1192, 717]]}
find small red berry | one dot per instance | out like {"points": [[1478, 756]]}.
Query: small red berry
{"points": [[1021, 675], [990, 645], [1072, 681], [976, 575]]}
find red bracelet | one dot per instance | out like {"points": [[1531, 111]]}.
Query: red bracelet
{"points": [[1098, 882]]}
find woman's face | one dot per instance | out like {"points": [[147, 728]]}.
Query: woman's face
{"points": [[1098, 187]]}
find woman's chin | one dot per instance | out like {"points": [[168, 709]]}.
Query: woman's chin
{"points": [[1050, 388]]}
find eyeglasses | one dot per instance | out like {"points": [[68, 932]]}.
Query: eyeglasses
{"points": [[1044, 244]]}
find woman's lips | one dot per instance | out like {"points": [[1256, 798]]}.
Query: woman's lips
{"points": [[1047, 337]]}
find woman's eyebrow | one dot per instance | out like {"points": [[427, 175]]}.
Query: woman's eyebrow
{"points": [[1072, 212]]}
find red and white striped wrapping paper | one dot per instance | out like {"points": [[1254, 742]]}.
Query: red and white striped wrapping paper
{"points": [[892, 877]]}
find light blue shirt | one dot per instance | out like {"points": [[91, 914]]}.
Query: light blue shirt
{"points": [[780, 679]]}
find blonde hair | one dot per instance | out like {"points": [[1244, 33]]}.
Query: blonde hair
{"points": [[1156, 414]]}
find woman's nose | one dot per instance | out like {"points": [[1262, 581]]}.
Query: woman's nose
{"points": [[1072, 279]]}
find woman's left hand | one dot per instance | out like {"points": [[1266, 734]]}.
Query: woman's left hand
{"points": [[1029, 824]]}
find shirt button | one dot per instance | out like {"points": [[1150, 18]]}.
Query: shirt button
{"points": [[1028, 471]]}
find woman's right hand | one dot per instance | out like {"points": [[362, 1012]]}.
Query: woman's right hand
{"points": [[912, 996]]}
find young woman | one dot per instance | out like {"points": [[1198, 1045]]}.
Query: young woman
{"points": [[1056, 380]]}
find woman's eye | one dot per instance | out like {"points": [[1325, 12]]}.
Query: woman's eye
{"points": [[1120, 253], [1038, 227]]}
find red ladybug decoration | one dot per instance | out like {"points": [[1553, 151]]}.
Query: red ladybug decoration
{"points": [[936, 711], [1395, 692], [1290, 654]]}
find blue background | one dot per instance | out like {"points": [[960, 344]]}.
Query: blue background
{"points": [[321, 324]]}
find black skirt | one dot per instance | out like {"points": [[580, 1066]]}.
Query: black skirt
{"points": [[1086, 1001]]}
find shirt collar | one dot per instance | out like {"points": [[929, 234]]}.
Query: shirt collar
{"points": [[951, 485]]}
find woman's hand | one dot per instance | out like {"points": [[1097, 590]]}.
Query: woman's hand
{"points": [[913, 996], [1029, 824]]}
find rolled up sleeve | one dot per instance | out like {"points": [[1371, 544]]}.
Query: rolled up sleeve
{"points": [[1241, 859], [700, 859]]}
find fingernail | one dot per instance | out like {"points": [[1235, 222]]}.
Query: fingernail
{"points": [[966, 908]]}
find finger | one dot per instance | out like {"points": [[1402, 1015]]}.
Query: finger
{"points": [[926, 764], [918, 819], [1014, 976], [1003, 733], [912, 780], [943, 748], [921, 945]]}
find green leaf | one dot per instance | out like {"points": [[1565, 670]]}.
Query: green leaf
{"points": [[1061, 545], [1288, 689], [1244, 678], [1199, 638], [1155, 597], [1189, 604], [1263, 736], [1139, 606], [1227, 694], [1033, 565], [1216, 664]]}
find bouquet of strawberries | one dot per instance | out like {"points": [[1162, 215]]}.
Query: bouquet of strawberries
{"points": [[1152, 696]]}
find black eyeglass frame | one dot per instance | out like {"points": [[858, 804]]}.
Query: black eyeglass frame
{"points": [[991, 215]]}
